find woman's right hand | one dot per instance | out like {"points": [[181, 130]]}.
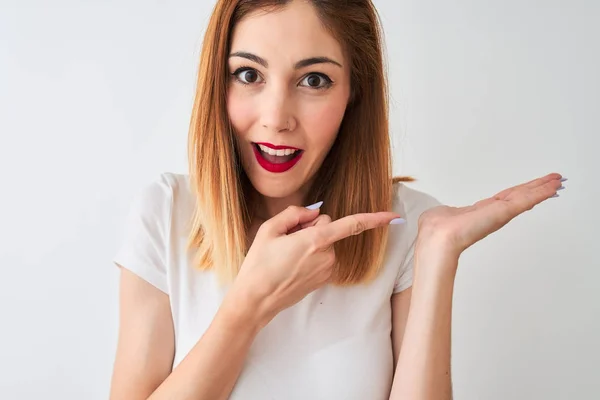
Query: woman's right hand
{"points": [[285, 264]]}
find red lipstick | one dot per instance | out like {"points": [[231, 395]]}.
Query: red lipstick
{"points": [[276, 167]]}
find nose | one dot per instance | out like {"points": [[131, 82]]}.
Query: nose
{"points": [[277, 110]]}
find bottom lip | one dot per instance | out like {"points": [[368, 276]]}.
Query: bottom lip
{"points": [[271, 167]]}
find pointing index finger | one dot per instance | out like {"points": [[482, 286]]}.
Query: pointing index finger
{"points": [[354, 225]]}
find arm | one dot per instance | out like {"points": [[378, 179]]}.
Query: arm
{"points": [[400, 308], [423, 369], [423, 366], [212, 367], [146, 347]]}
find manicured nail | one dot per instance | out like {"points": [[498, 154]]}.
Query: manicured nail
{"points": [[556, 195], [563, 179], [315, 206], [561, 188], [397, 221]]}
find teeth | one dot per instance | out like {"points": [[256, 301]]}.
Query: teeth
{"points": [[274, 152]]}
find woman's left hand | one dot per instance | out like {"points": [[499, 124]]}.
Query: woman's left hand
{"points": [[460, 227]]}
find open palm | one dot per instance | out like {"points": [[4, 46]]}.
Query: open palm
{"points": [[461, 227]]}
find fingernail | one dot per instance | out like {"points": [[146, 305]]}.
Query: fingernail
{"points": [[563, 179], [315, 206], [397, 221], [560, 188], [556, 195]]}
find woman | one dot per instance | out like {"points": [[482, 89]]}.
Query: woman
{"points": [[231, 289]]}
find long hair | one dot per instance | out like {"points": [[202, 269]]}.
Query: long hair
{"points": [[355, 177]]}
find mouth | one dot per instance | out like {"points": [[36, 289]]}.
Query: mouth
{"points": [[276, 158]]}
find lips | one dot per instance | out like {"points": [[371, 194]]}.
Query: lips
{"points": [[276, 159]]}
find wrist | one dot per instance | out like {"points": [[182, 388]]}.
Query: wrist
{"points": [[245, 309], [437, 244], [436, 257]]}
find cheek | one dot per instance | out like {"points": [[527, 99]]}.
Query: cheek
{"points": [[240, 111], [323, 122]]}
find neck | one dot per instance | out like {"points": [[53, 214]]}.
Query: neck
{"points": [[267, 207]]}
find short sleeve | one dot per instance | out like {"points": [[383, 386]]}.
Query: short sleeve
{"points": [[414, 204], [146, 234], [405, 275]]}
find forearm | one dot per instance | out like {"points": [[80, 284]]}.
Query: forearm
{"points": [[212, 367], [423, 368]]}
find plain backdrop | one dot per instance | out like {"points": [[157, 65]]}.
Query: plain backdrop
{"points": [[95, 99]]}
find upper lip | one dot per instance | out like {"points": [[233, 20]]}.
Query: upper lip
{"points": [[277, 147]]}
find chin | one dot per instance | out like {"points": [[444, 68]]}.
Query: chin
{"points": [[274, 189], [275, 185]]}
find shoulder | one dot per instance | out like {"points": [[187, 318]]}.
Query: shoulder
{"points": [[160, 205], [166, 184], [163, 193], [150, 230], [410, 202]]}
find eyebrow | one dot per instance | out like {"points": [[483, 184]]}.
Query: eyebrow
{"points": [[300, 64]]}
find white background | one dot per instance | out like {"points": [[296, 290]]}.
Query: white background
{"points": [[95, 99]]}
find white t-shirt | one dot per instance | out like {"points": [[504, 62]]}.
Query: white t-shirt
{"points": [[335, 344]]}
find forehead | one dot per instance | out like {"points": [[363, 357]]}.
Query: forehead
{"points": [[286, 34]]}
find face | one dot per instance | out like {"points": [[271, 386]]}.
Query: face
{"points": [[288, 90]]}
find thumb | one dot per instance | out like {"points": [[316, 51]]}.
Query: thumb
{"points": [[322, 219], [291, 217]]}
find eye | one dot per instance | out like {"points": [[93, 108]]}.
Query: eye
{"points": [[316, 81], [247, 75]]}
